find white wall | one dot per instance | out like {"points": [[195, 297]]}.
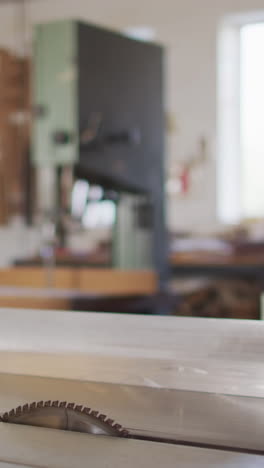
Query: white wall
{"points": [[189, 29]]}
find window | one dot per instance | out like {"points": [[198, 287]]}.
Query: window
{"points": [[241, 122], [252, 119]]}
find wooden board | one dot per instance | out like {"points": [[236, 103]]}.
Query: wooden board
{"points": [[210, 355]]}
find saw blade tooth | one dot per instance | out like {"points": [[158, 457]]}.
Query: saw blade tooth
{"points": [[71, 406], [33, 406], [102, 417], [63, 404], [25, 408], [110, 422], [47, 404], [124, 433], [118, 427], [86, 410], [5, 417], [19, 410], [94, 414], [55, 404], [12, 413], [78, 408], [40, 404]]}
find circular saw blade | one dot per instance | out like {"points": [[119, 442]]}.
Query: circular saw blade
{"points": [[64, 416]]}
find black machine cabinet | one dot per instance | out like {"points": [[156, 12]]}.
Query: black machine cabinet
{"points": [[120, 99]]}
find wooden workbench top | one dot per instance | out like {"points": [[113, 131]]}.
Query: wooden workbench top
{"points": [[215, 258], [107, 281]]}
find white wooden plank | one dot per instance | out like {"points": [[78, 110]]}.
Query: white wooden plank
{"points": [[161, 352]]}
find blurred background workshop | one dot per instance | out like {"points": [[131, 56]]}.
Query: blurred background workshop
{"points": [[131, 146]]}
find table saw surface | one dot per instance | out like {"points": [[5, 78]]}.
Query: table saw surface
{"points": [[193, 388]]}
